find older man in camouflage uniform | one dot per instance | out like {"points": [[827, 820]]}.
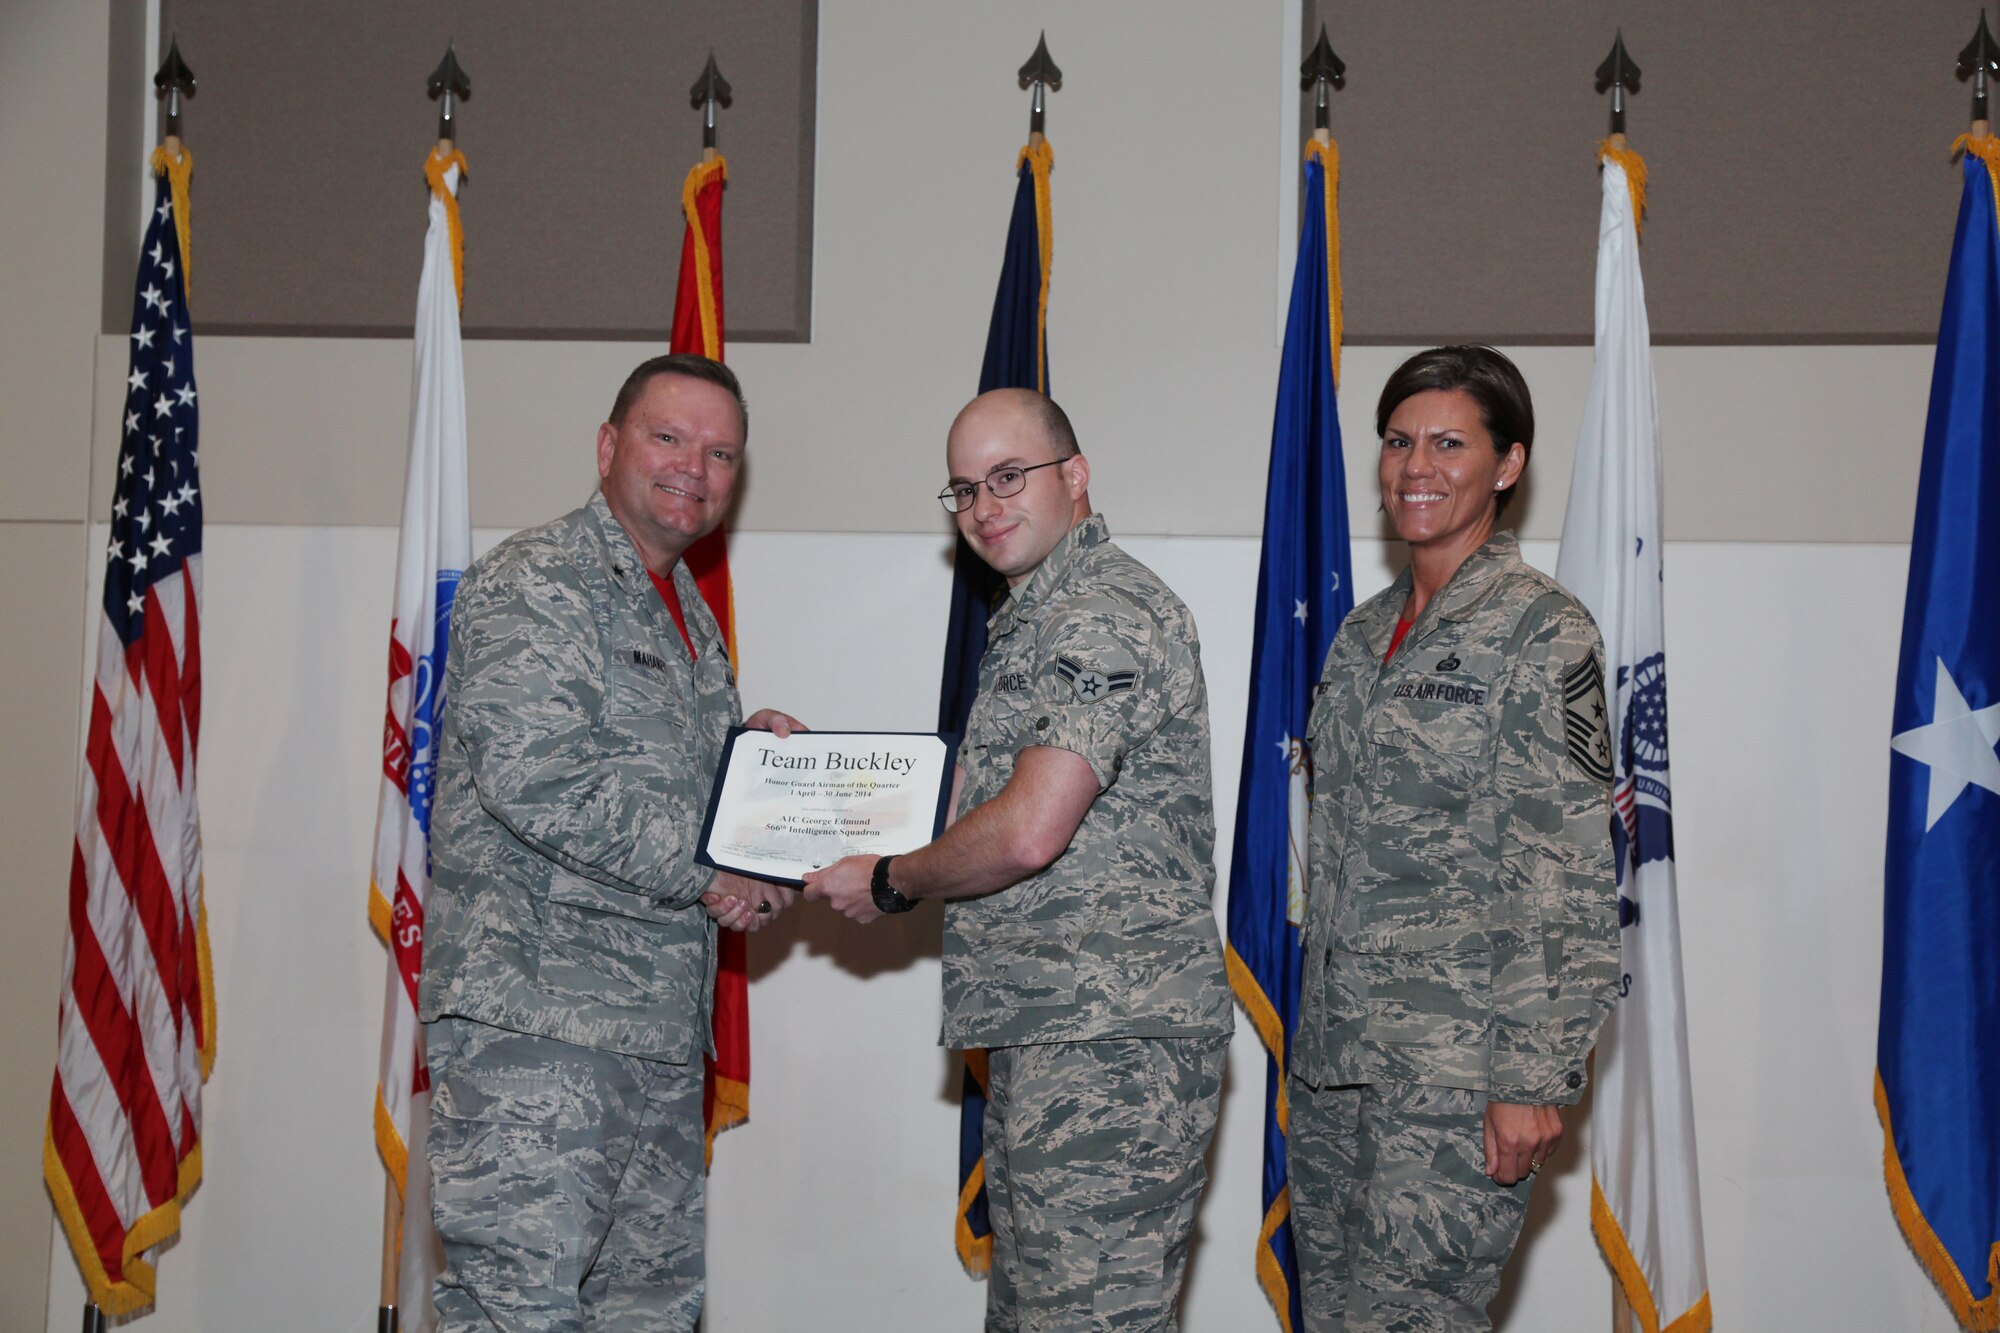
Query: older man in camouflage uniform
{"points": [[569, 960], [1080, 944], [1460, 940]]}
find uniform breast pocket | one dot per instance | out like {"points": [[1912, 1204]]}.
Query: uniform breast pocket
{"points": [[1430, 752]]}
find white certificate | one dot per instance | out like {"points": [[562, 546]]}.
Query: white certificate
{"points": [[783, 806]]}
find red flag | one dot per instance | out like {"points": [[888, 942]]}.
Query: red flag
{"points": [[698, 328]]}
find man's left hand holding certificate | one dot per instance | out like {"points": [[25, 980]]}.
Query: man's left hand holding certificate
{"points": [[788, 804], [737, 902]]}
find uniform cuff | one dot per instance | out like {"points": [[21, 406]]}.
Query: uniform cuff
{"points": [[1535, 1080]]}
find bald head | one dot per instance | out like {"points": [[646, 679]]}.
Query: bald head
{"points": [[1024, 413], [1001, 436]]}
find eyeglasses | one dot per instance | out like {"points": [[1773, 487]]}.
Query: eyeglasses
{"points": [[1000, 483]]}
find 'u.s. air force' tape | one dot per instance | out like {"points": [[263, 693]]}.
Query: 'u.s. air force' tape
{"points": [[1091, 684], [1585, 720]]}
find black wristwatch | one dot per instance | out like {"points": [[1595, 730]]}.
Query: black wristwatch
{"points": [[887, 900]]}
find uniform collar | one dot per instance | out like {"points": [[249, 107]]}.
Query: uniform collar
{"points": [[1460, 597], [621, 553], [1051, 574]]}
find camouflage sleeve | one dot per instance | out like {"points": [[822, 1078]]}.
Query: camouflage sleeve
{"points": [[528, 688], [1101, 687], [1555, 919]]}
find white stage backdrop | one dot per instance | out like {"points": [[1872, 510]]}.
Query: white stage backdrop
{"points": [[832, 1209]]}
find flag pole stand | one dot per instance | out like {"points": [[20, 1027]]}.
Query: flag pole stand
{"points": [[93, 1318], [392, 1256]]}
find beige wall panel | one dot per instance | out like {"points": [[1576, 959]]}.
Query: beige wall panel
{"points": [[313, 431], [41, 670], [52, 61]]}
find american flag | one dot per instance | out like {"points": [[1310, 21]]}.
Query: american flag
{"points": [[135, 1033]]}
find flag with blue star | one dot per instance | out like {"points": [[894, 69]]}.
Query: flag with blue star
{"points": [[1304, 591], [1937, 1057]]}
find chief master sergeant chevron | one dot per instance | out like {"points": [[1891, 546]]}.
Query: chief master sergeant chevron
{"points": [[568, 960], [1080, 943]]}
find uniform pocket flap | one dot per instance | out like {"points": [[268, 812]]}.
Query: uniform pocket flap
{"points": [[1445, 728], [504, 1097], [572, 890]]}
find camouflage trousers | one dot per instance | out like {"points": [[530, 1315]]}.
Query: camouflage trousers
{"points": [[1093, 1170], [1399, 1230], [566, 1183]]}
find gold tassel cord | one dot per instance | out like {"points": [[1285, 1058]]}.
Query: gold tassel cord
{"points": [[178, 168], [704, 279], [435, 167], [1987, 149], [1327, 153], [1041, 157], [1614, 150]]}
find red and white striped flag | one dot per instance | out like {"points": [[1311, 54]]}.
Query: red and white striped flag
{"points": [[436, 545], [136, 1023]]}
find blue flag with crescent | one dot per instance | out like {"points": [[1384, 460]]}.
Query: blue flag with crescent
{"points": [[1304, 590], [1937, 1057], [1016, 358]]}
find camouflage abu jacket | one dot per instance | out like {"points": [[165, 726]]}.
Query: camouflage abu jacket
{"points": [[578, 751], [1116, 938], [1461, 924]]}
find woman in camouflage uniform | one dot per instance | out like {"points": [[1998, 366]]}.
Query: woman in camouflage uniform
{"points": [[1461, 931]]}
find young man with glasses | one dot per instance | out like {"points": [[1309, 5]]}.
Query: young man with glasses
{"points": [[1080, 943]]}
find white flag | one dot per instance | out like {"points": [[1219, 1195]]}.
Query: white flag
{"points": [[436, 545], [1646, 1197]]}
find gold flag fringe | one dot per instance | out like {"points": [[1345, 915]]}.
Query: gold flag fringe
{"points": [[1976, 1315]]}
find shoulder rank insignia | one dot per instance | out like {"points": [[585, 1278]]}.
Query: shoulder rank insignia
{"points": [[1091, 684], [1585, 721]]}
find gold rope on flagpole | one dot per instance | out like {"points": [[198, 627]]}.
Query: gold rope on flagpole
{"points": [[1327, 153], [177, 163], [442, 159], [1040, 157], [710, 168], [1614, 149]]}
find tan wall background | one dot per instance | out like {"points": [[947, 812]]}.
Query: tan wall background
{"points": [[1790, 481]]}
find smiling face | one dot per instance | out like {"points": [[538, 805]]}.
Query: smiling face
{"points": [[1440, 473], [1014, 533], [669, 468]]}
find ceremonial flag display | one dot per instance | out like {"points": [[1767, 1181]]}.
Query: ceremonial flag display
{"points": [[136, 1017], [1937, 1059], [1016, 358], [698, 329], [1304, 590], [431, 557], [1645, 1193]]}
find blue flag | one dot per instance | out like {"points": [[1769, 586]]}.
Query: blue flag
{"points": [[1304, 590], [1016, 358], [1937, 1056]]}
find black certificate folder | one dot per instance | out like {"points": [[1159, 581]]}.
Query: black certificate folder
{"points": [[784, 806]]}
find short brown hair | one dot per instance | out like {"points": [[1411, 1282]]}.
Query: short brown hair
{"points": [[686, 364], [1495, 383]]}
